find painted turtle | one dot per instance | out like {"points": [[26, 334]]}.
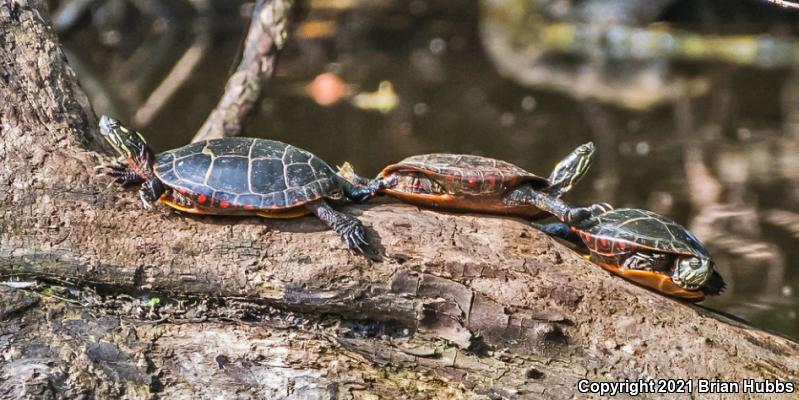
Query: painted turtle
{"points": [[460, 182], [237, 176], [646, 248]]}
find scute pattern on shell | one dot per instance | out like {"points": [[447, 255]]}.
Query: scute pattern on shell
{"points": [[473, 173], [645, 229], [259, 173], [455, 164]]}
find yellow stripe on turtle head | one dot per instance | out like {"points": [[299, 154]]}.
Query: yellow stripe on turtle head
{"points": [[571, 169], [126, 142]]}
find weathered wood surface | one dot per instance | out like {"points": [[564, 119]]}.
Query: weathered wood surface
{"points": [[451, 306]]}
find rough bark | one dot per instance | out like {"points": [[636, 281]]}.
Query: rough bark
{"points": [[266, 37], [157, 304]]}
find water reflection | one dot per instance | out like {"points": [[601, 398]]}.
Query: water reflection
{"points": [[723, 160]]}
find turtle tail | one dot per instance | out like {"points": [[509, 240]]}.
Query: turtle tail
{"points": [[347, 172]]}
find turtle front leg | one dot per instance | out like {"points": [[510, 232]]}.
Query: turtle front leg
{"points": [[348, 227], [123, 174], [646, 262], [550, 204], [150, 192]]}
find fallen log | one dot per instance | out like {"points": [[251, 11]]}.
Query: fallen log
{"points": [[147, 304]]}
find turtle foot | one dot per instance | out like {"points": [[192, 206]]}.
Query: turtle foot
{"points": [[121, 173], [150, 192], [353, 233], [577, 215], [144, 202]]}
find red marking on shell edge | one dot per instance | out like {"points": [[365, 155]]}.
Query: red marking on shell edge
{"points": [[248, 207], [622, 245], [224, 204], [202, 198], [604, 242], [472, 181], [182, 191]]}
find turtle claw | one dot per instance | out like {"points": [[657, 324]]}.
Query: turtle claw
{"points": [[104, 170], [600, 208], [144, 202], [353, 233], [147, 197], [576, 216], [121, 173], [355, 246]]}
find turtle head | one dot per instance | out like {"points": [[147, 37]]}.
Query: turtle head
{"points": [[692, 272], [128, 143], [571, 169]]}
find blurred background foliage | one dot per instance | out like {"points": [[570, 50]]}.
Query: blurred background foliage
{"points": [[694, 105]]}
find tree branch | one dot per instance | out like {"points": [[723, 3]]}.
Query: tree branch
{"points": [[784, 3], [266, 37]]}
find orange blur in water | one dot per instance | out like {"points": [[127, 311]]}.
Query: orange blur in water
{"points": [[327, 89]]}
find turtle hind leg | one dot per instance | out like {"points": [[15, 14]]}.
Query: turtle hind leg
{"points": [[151, 190], [562, 231], [348, 227]]}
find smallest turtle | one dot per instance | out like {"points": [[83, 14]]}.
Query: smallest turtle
{"points": [[646, 248]]}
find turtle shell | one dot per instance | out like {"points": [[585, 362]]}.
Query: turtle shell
{"points": [[246, 173], [624, 229], [616, 234], [464, 174]]}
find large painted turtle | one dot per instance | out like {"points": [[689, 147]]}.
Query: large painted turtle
{"points": [[237, 176], [646, 248], [460, 182]]}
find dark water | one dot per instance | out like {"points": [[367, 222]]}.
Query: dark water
{"points": [[724, 162]]}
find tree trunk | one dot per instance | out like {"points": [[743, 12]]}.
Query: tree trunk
{"points": [[162, 305]]}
